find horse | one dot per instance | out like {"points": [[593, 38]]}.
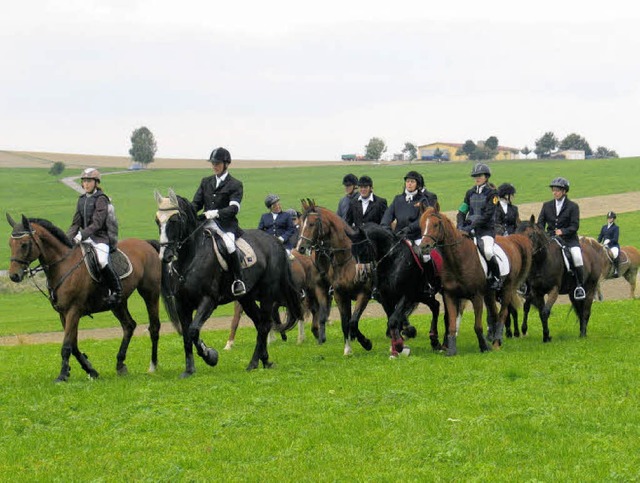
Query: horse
{"points": [[549, 277], [316, 301], [194, 280], [324, 233], [628, 268], [401, 280], [463, 276], [73, 293]]}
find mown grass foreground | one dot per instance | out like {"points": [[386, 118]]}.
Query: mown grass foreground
{"points": [[563, 411]]}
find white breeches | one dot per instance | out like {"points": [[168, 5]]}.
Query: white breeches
{"points": [[576, 255], [102, 251], [229, 239], [488, 243], [615, 251]]}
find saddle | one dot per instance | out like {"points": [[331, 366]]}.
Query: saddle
{"points": [[434, 257], [247, 254], [119, 261]]}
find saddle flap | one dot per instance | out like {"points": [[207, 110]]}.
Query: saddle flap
{"points": [[247, 254], [501, 257], [119, 261]]}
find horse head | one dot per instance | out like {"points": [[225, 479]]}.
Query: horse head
{"points": [[311, 230], [176, 220], [433, 227], [24, 248], [536, 234]]}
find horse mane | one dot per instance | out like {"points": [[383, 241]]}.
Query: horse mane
{"points": [[54, 230], [186, 207]]}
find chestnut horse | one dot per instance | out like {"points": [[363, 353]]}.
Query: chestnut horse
{"points": [[628, 268], [325, 233], [549, 277], [463, 276], [73, 293]]}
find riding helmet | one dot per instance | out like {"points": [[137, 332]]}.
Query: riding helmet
{"points": [[293, 213], [271, 200], [365, 181], [91, 173], [220, 155], [506, 189], [611, 214], [416, 176], [350, 180], [561, 183], [479, 169]]}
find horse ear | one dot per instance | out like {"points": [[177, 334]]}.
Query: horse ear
{"points": [[437, 207], [173, 197], [25, 223], [532, 220], [305, 205], [10, 220], [157, 196]]}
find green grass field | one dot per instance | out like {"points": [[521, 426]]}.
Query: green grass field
{"points": [[563, 411]]}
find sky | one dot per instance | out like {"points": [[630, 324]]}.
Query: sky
{"points": [[295, 80]]}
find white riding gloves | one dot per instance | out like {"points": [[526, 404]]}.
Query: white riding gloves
{"points": [[78, 238], [211, 214]]}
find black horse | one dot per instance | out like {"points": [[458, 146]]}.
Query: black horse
{"points": [[194, 280], [403, 281]]}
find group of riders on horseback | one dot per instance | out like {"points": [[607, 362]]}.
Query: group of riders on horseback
{"points": [[485, 211]]}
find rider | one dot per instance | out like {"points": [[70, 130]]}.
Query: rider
{"points": [[405, 207], [220, 195], [476, 217], [295, 218], [89, 226], [277, 222], [507, 216], [350, 183], [367, 207], [561, 218], [610, 233]]}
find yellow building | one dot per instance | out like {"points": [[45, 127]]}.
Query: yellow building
{"points": [[447, 152]]}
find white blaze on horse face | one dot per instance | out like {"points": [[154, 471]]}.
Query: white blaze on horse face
{"points": [[304, 227], [163, 239], [426, 229]]}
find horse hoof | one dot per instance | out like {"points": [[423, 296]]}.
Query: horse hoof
{"points": [[211, 356], [61, 379], [122, 371], [93, 374], [252, 366], [229, 345], [410, 332], [546, 339], [267, 365], [405, 352], [366, 344], [186, 374], [496, 345]]}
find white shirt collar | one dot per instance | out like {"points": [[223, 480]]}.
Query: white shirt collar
{"points": [[223, 177]]}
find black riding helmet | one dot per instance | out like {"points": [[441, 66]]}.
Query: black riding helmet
{"points": [[350, 180], [220, 155], [506, 189], [365, 181], [417, 176], [611, 214]]}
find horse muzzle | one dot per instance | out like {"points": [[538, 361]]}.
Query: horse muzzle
{"points": [[17, 276]]}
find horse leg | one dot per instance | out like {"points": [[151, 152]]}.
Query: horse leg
{"points": [[324, 309], [208, 354], [70, 346], [261, 318], [361, 303], [451, 309], [477, 310], [513, 315], [185, 321], [395, 323], [152, 301], [128, 326], [344, 307], [235, 321]]}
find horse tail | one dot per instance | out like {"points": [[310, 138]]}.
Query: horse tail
{"points": [[168, 297], [155, 244], [291, 298]]}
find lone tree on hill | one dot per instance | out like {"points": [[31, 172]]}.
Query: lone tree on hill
{"points": [[374, 149], [410, 150], [143, 146], [544, 145], [602, 152]]}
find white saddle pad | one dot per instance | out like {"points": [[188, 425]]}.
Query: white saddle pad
{"points": [[501, 256], [248, 260]]}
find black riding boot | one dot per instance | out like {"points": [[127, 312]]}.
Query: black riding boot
{"points": [[579, 293], [115, 287], [237, 287], [616, 266], [495, 282]]}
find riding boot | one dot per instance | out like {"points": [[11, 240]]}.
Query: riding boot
{"points": [[237, 287], [113, 282], [579, 293], [495, 282], [616, 266]]}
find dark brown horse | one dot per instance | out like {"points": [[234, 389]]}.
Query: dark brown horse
{"points": [[549, 277], [73, 293], [325, 233], [629, 264], [463, 276]]}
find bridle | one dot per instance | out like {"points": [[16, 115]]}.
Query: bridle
{"points": [[317, 243]]}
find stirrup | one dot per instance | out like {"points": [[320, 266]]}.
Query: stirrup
{"points": [[238, 288], [495, 284], [579, 293]]}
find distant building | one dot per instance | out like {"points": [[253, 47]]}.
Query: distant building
{"points": [[568, 154], [447, 152]]}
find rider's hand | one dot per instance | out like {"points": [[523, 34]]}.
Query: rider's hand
{"points": [[280, 239], [211, 214], [78, 238]]}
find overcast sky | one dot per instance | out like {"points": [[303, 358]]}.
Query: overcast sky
{"points": [[285, 79]]}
